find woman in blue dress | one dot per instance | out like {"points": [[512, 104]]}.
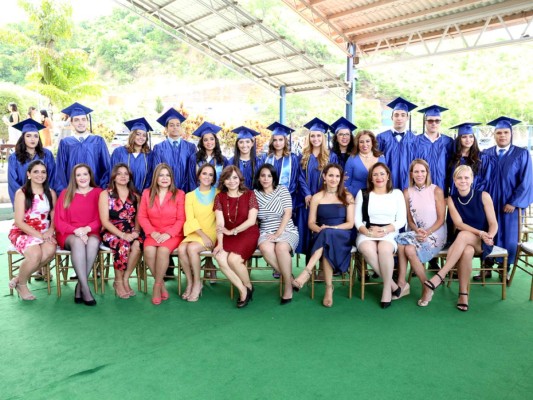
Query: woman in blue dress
{"points": [[365, 154], [245, 155], [136, 154], [315, 156], [331, 219], [209, 151], [29, 148]]}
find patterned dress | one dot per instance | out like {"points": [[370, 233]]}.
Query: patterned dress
{"points": [[38, 218], [122, 215]]}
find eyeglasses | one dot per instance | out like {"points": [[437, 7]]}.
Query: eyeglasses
{"points": [[343, 134], [433, 121]]}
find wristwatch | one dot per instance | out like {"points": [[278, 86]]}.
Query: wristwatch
{"points": [[235, 232]]}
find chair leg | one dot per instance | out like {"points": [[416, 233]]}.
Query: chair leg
{"points": [[504, 278]]}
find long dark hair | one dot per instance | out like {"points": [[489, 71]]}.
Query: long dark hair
{"points": [[375, 149], [473, 160], [370, 184], [342, 193], [237, 156], [112, 187], [21, 151], [273, 172], [28, 193], [336, 147], [201, 154]]}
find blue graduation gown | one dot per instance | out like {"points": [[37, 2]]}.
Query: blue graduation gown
{"points": [[310, 182], [93, 152], [246, 169], [357, 174], [342, 158], [514, 186], [398, 156], [295, 173], [193, 169], [141, 166], [16, 172], [484, 179], [178, 159], [437, 154]]}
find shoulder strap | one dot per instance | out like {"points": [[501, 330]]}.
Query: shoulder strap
{"points": [[366, 218]]}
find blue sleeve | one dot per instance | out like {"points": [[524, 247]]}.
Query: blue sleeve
{"points": [[14, 181], [104, 164], [51, 170], [523, 192], [350, 164], [61, 178], [304, 188], [193, 184]]}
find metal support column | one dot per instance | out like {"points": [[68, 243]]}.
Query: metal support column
{"points": [[282, 105], [352, 81]]}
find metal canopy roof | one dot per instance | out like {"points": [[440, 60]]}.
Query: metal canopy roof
{"points": [[396, 27], [226, 32]]}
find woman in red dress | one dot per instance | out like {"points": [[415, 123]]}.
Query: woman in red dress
{"points": [[161, 215], [236, 211]]}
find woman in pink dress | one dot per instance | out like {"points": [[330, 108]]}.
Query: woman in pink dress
{"points": [[78, 227], [161, 216], [32, 233]]}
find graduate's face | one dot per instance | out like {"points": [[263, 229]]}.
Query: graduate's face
{"points": [[37, 174], [207, 176], [265, 178], [83, 178], [463, 180], [467, 141], [174, 129], [316, 138], [31, 140], [433, 125], [140, 138], [79, 123], [419, 175], [122, 177], [502, 137], [332, 178], [209, 142], [380, 177], [245, 146], [163, 179], [233, 181], [343, 137], [365, 144], [278, 142], [399, 120]]}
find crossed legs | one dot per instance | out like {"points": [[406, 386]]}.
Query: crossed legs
{"points": [[83, 256]]}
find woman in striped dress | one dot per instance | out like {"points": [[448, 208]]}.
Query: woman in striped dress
{"points": [[278, 235]]}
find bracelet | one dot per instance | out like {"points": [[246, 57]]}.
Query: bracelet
{"points": [[235, 232]]}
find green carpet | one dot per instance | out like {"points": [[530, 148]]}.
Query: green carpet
{"points": [[130, 349]]}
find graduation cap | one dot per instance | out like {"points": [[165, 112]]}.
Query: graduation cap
{"points": [[139, 123], [206, 128], [343, 123], [77, 109], [318, 125], [433, 111], [29, 125], [503, 123], [171, 113], [281, 130], [401, 104], [245, 133], [466, 128]]}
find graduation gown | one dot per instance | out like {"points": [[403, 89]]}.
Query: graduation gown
{"points": [[342, 158], [514, 186], [246, 169], [295, 173], [310, 182], [398, 156], [484, 180], [194, 166], [178, 159], [141, 166], [16, 172], [92, 151], [437, 154]]}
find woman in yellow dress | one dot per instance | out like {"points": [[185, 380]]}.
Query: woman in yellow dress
{"points": [[199, 229]]}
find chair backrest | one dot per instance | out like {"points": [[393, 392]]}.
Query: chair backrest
{"points": [[525, 224]]}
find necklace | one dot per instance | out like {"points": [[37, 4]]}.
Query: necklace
{"points": [[464, 204], [364, 155], [236, 208], [331, 191]]}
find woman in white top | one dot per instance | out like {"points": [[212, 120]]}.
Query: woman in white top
{"points": [[379, 214]]}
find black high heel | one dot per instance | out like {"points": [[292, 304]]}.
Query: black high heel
{"points": [[244, 303], [386, 304], [77, 299], [91, 302]]}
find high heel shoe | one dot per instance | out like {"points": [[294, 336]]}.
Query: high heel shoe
{"points": [[164, 293], [14, 282], [128, 289], [123, 295], [26, 297], [77, 299], [462, 306], [156, 300], [187, 293], [386, 304], [399, 293], [192, 299], [244, 303], [296, 285], [430, 284], [91, 302]]}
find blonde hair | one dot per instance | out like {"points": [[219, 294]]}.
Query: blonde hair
{"points": [[412, 167], [323, 155], [463, 168]]}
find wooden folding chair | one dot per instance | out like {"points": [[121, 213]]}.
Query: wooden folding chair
{"points": [[525, 248]]}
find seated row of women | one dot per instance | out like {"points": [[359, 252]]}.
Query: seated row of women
{"points": [[224, 221]]}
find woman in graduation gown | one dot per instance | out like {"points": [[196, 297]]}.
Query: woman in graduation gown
{"points": [[136, 154], [29, 148], [315, 156], [343, 142], [245, 154], [209, 151]]}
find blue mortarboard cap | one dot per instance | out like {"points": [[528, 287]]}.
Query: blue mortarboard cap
{"points": [[245, 133], [343, 123], [139, 123], [503, 123], [76, 109], [171, 113], [280, 129], [433, 111], [401, 104], [318, 125], [466, 128], [29, 125], [206, 128]]}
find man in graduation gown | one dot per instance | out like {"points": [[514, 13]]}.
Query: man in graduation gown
{"points": [[82, 147], [514, 184], [396, 143], [175, 151]]}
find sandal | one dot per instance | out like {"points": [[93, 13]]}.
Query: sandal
{"points": [[425, 303], [14, 282], [430, 284], [297, 285], [156, 300], [27, 297], [124, 294], [462, 306]]}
